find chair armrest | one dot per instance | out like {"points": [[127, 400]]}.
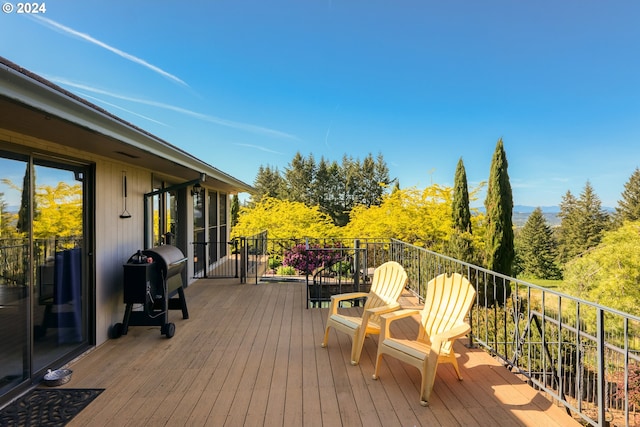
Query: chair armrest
{"points": [[386, 319], [388, 308], [413, 307], [336, 299], [457, 331], [399, 314], [349, 295], [384, 308]]}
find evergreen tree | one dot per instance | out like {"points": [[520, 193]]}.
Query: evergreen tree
{"points": [[335, 188], [327, 185], [461, 241], [583, 222], [350, 184], [536, 248], [299, 176], [24, 214], [235, 210], [321, 189], [498, 204], [374, 178], [593, 219], [628, 208], [461, 212], [567, 232], [268, 183]]}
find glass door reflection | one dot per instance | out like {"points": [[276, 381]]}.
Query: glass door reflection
{"points": [[58, 226], [14, 270]]}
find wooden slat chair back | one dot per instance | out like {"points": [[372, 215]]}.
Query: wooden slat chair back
{"points": [[388, 281], [442, 320]]}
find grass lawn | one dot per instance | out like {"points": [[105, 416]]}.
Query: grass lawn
{"points": [[549, 284]]}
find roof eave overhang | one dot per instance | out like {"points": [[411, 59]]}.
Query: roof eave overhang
{"points": [[38, 94]]}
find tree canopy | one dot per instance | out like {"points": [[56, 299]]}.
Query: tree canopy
{"points": [[57, 211], [628, 208], [420, 217], [609, 273], [284, 219], [335, 188], [583, 222]]}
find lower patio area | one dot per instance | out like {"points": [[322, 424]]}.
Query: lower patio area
{"points": [[250, 355]]}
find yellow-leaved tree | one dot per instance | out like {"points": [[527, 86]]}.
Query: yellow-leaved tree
{"points": [[59, 211], [284, 219], [420, 217]]}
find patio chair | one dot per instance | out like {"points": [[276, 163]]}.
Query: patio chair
{"points": [[442, 321], [387, 284]]}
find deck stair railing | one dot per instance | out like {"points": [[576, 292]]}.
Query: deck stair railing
{"points": [[345, 271]]}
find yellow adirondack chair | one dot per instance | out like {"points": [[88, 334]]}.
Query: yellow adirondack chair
{"points": [[389, 279], [442, 321]]}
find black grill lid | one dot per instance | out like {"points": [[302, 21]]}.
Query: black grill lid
{"points": [[169, 258]]}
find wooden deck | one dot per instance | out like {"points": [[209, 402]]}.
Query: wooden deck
{"points": [[250, 355]]}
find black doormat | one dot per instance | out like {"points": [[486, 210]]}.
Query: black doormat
{"points": [[47, 407]]}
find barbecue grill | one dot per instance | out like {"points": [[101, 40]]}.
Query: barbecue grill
{"points": [[152, 278]]}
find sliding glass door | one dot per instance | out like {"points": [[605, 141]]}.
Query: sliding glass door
{"points": [[43, 273], [15, 235], [59, 313]]}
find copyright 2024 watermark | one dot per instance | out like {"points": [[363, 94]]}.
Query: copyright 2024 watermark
{"points": [[33, 8]]}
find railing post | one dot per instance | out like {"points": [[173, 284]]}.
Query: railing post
{"points": [[235, 251], [356, 265], [601, 368], [243, 260]]}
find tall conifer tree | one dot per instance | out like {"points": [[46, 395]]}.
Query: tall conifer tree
{"points": [[235, 210], [461, 242], [461, 212], [583, 223], [268, 183], [499, 210], [567, 232], [299, 176], [628, 208], [536, 248], [593, 219]]}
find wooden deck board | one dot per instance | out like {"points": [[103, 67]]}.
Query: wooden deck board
{"points": [[250, 355]]}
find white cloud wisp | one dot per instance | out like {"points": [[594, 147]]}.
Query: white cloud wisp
{"points": [[125, 55]]}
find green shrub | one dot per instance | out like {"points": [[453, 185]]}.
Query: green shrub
{"points": [[286, 271], [341, 267], [275, 261]]}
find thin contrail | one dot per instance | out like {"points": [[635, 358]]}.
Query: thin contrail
{"points": [[85, 95], [258, 147], [326, 136], [213, 119], [125, 55]]}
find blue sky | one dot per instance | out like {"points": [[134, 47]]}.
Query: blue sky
{"points": [[241, 84]]}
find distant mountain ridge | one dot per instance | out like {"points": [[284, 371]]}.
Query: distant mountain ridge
{"points": [[550, 213], [529, 209]]}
